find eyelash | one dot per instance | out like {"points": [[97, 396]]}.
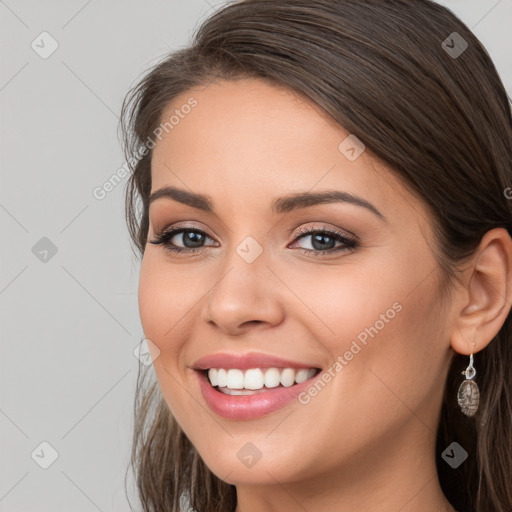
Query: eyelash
{"points": [[348, 242]]}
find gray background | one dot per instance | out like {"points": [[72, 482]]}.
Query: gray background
{"points": [[69, 320]]}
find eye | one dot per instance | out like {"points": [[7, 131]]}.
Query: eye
{"points": [[190, 239], [323, 241]]}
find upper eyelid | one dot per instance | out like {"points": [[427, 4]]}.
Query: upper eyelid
{"points": [[178, 226], [321, 229]]}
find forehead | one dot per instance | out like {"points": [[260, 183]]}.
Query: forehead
{"points": [[243, 117], [248, 138]]}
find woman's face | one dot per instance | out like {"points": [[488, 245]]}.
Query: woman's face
{"points": [[347, 286]]}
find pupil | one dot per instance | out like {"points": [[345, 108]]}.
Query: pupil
{"points": [[321, 239]]}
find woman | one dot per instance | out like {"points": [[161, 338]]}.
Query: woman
{"points": [[319, 194]]}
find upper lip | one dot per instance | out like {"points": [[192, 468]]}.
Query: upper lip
{"points": [[246, 361]]}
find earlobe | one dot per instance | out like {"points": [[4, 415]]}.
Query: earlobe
{"points": [[488, 293]]}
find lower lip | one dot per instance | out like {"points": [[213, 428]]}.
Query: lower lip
{"points": [[248, 407]]}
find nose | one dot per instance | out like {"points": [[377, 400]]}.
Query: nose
{"points": [[245, 296]]}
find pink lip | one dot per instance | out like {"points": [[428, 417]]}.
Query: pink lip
{"points": [[248, 407], [246, 361]]}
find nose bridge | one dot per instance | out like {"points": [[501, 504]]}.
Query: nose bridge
{"points": [[242, 276], [245, 265], [242, 293]]}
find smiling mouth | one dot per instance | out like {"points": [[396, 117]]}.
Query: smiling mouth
{"points": [[252, 381]]}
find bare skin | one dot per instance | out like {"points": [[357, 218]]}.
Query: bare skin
{"points": [[366, 441]]}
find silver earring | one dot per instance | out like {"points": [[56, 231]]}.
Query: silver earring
{"points": [[468, 395]]}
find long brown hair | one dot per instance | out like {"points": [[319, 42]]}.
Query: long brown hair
{"points": [[393, 73]]}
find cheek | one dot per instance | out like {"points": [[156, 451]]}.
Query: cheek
{"points": [[382, 318], [166, 300], [391, 353], [342, 303], [153, 300], [163, 305], [403, 348]]}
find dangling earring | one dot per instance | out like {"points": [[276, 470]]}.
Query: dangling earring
{"points": [[468, 395]]}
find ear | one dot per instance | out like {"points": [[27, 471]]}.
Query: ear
{"points": [[486, 297]]}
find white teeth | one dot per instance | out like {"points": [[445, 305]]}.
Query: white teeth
{"points": [[222, 378], [272, 378], [254, 379], [302, 375], [288, 377], [258, 378], [235, 379], [212, 375]]}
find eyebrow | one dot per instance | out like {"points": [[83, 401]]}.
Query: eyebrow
{"points": [[283, 204]]}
